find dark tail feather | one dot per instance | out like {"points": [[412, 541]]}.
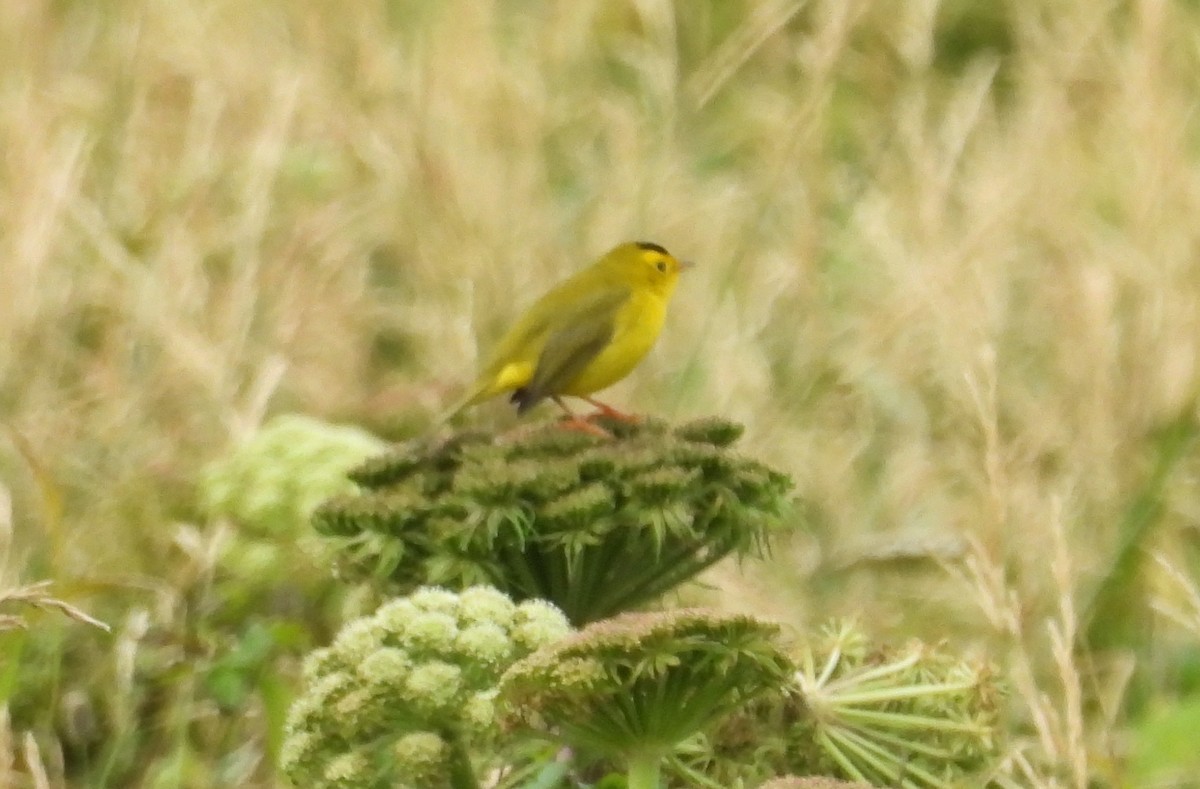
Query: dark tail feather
{"points": [[524, 399]]}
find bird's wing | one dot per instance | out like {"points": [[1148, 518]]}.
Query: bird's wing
{"points": [[572, 346]]}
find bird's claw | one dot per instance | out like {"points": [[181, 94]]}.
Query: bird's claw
{"points": [[583, 425], [604, 411]]}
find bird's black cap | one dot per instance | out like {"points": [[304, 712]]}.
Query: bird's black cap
{"points": [[650, 246]]}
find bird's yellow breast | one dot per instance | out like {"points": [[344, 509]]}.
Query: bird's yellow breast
{"points": [[635, 329]]}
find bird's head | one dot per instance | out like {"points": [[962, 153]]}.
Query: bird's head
{"points": [[643, 264]]}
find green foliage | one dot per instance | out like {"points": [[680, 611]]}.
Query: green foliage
{"points": [[202, 663], [271, 566], [918, 716], [967, 30], [1163, 744], [1118, 615], [401, 693], [272, 483], [596, 526], [636, 686]]}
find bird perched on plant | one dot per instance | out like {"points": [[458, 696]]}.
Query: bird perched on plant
{"points": [[586, 334]]}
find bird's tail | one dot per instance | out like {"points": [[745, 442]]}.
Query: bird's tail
{"points": [[477, 391]]}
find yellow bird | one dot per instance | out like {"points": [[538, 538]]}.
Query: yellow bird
{"points": [[586, 334]]}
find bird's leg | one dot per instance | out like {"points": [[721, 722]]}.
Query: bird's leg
{"points": [[573, 422], [603, 409]]}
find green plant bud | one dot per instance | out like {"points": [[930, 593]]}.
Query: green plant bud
{"points": [[448, 452], [433, 688], [317, 663], [300, 751], [537, 624], [479, 713], [484, 643], [435, 600], [597, 464], [392, 513], [329, 688], [420, 756], [348, 771], [711, 461], [272, 482], [551, 441], [548, 482], [306, 714], [393, 616], [487, 483], [388, 468], [579, 509], [354, 710], [385, 669], [710, 430], [645, 426], [585, 674], [406, 511], [482, 454], [430, 632], [339, 517], [532, 479], [485, 604], [632, 461], [662, 485], [756, 482], [358, 640], [452, 570]]}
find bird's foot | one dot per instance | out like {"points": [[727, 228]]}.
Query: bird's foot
{"points": [[608, 412], [583, 425]]}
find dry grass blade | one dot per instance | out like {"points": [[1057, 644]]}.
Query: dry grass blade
{"points": [[33, 762], [7, 770], [1183, 606], [37, 596], [739, 47]]}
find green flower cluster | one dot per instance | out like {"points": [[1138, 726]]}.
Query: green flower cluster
{"points": [[636, 686], [597, 526], [401, 695], [916, 717], [273, 482]]}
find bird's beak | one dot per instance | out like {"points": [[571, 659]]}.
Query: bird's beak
{"points": [[684, 265]]}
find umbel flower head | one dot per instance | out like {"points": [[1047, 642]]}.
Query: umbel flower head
{"points": [[917, 717], [636, 686], [403, 693], [274, 481], [597, 526]]}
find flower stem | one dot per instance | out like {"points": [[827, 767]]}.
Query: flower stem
{"points": [[644, 769], [462, 775]]}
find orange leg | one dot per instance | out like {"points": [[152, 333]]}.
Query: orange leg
{"points": [[612, 413], [573, 422]]}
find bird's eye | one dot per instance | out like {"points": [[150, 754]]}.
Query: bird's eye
{"points": [[662, 266]]}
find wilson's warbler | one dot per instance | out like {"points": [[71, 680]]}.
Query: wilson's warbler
{"points": [[586, 334]]}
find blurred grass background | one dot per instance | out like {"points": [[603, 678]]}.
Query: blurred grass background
{"points": [[948, 274]]}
